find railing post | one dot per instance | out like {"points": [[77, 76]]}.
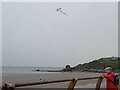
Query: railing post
{"points": [[98, 85], [72, 84], [10, 86]]}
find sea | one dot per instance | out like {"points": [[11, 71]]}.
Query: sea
{"points": [[27, 68]]}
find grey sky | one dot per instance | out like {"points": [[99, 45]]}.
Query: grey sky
{"points": [[34, 34]]}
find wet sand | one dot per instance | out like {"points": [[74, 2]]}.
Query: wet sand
{"points": [[18, 77]]}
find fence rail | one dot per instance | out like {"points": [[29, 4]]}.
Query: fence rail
{"points": [[70, 86]]}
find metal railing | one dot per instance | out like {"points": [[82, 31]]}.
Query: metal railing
{"points": [[71, 85]]}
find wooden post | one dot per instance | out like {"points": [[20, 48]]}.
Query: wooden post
{"points": [[10, 86], [72, 84], [98, 85]]}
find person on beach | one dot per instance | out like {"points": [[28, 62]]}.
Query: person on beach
{"points": [[110, 76]]}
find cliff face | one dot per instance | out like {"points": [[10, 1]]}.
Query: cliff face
{"points": [[98, 65]]}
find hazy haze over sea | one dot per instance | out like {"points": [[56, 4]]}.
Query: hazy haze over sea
{"points": [[27, 68]]}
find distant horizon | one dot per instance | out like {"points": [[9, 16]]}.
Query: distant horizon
{"points": [[60, 66]]}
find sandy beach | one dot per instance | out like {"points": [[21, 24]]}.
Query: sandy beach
{"points": [[18, 77]]}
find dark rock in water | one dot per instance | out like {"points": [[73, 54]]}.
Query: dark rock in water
{"points": [[37, 70], [47, 70], [67, 68]]}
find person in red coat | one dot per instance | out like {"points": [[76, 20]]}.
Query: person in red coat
{"points": [[109, 75]]}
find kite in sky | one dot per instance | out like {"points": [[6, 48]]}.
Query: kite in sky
{"points": [[59, 10]]}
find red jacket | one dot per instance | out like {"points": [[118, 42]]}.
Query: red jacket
{"points": [[109, 84]]}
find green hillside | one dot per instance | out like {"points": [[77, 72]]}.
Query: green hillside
{"points": [[98, 65]]}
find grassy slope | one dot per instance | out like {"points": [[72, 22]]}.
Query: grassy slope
{"points": [[100, 64]]}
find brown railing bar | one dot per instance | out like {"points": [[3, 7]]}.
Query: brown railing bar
{"points": [[71, 85], [40, 83], [88, 78]]}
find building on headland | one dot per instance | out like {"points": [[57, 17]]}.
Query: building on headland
{"points": [[115, 58]]}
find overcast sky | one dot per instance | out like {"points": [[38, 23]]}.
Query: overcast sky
{"points": [[34, 34]]}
